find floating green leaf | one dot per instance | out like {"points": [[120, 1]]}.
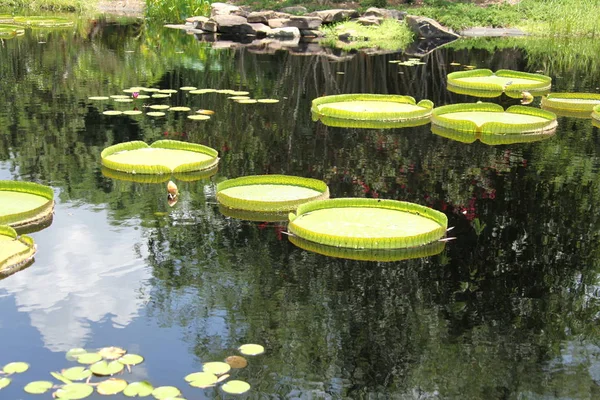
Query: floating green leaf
{"points": [[106, 368], [203, 91], [150, 90], [111, 353], [160, 95], [138, 389], [89, 358], [205, 112], [60, 377], [8, 31], [73, 354], [246, 101], [123, 100], [188, 88], [202, 379], [267, 101], [236, 361], [167, 91], [112, 112], [501, 81], [156, 114], [199, 117], [131, 359], [98, 98], [160, 107], [76, 373], [239, 98], [119, 96], [216, 367], [38, 387], [571, 104], [164, 392], [111, 386], [4, 382], [15, 251], [251, 349], [74, 391], [25, 203], [132, 112], [240, 93], [181, 108], [236, 387]]}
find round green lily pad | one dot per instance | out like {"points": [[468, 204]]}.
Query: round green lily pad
{"points": [[74, 353], [104, 368], [98, 98], [491, 139], [246, 101], [240, 93], [238, 98], [89, 358], [367, 223], [156, 114], [270, 193], [267, 101], [180, 108], [38, 387], [7, 31], [188, 88], [160, 107], [4, 382], [76, 373], [123, 100], [162, 157], [164, 392], [112, 112], [25, 203], [202, 379], [132, 112], [373, 107], [571, 104], [216, 367], [251, 349], [257, 216], [138, 389], [74, 391], [167, 91], [236, 362], [15, 368], [160, 95], [501, 81], [370, 124], [15, 252], [131, 359], [202, 91], [150, 90], [236, 387], [111, 386], [199, 117], [225, 91], [491, 119]]}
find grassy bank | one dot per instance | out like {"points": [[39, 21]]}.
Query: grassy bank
{"points": [[49, 5], [390, 35]]}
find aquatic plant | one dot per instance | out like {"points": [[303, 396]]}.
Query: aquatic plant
{"points": [[478, 81], [367, 223], [490, 139], [596, 116], [25, 203], [15, 251], [162, 157], [571, 104], [8, 31], [270, 193], [371, 107]]}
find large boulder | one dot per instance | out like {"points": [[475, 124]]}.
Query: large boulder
{"points": [[226, 9], [285, 33], [294, 10], [384, 13], [233, 25], [303, 22], [261, 30], [369, 21], [428, 28], [277, 22], [336, 15]]}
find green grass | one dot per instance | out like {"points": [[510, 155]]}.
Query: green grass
{"points": [[175, 11], [390, 35], [49, 5]]}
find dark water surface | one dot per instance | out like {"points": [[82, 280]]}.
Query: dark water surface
{"points": [[509, 310]]}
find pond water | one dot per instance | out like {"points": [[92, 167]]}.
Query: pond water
{"points": [[508, 310]]}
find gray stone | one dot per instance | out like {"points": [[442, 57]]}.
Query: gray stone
{"points": [[294, 10], [429, 28], [311, 33], [261, 30], [303, 22], [226, 9], [177, 26], [233, 25], [384, 13], [261, 17], [209, 26], [277, 22], [285, 33], [335, 15], [368, 21], [492, 32]]}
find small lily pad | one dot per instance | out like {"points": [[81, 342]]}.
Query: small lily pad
{"points": [[202, 379], [205, 112], [160, 107], [225, 91], [135, 89], [150, 90], [112, 112], [216, 367], [38, 387], [156, 114], [268, 101], [199, 117], [119, 96], [188, 88], [106, 368], [132, 112], [142, 97], [111, 386], [236, 361], [251, 349], [89, 358], [240, 93], [124, 100], [131, 359], [239, 97], [111, 353], [203, 91], [141, 389], [76, 373], [74, 391], [247, 101], [60, 377], [236, 387], [73, 354], [164, 392], [4, 382], [160, 95], [181, 108], [15, 367], [98, 98], [167, 91]]}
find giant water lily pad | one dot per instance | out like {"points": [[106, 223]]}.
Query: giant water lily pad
{"points": [[491, 139], [162, 157], [367, 223], [25, 203], [270, 193], [15, 251], [579, 105], [380, 255], [149, 178], [480, 81], [371, 107], [76, 373], [256, 216], [44, 21], [596, 116], [491, 119]]}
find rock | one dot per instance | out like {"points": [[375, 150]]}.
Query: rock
{"points": [[261, 17], [177, 26], [311, 33], [336, 15], [368, 21], [492, 32], [383, 13], [261, 30], [226, 9], [277, 22], [195, 22], [285, 33], [303, 22], [429, 28], [225, 44], [233, 25], [209, 26], [294, 10]]}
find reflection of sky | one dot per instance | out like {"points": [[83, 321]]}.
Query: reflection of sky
{"points": [[85, 271]]}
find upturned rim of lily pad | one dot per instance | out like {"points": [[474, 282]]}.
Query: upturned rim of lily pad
{"points": [[155, 178], [543, 121], [368, 124], [379, 255], [317, 221], [151, 168], [17, 260], [268, 205], [538, 84], [28, 217], [255, 216], [578, 105], [491, 139], [320, 107]]}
